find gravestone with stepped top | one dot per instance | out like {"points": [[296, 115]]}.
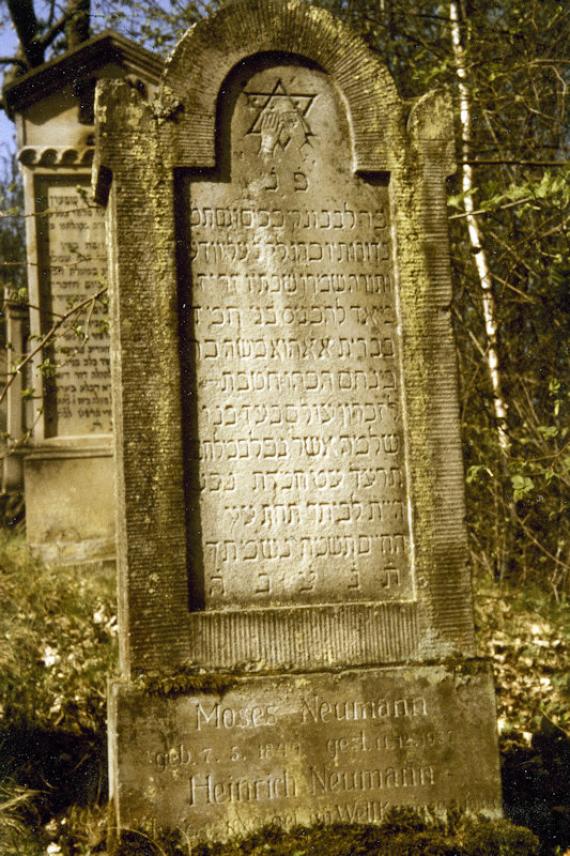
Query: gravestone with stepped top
{"points": [[296, 624], [62, 442]]}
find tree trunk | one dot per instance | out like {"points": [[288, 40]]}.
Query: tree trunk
{"points": [[77, 29], [475, 236], [26, 25]]}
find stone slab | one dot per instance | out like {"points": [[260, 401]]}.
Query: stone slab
{"points": [[298, 749], [284, 374], [73, 267], [70, 505], [296, 462]]}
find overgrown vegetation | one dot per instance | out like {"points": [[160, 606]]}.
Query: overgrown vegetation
{"points": [[514, 60], [403, 833], [57, 647], [527, 637], [57, 632]]}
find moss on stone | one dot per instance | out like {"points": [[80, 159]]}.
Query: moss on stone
{"points": [[185, 680], [405, 832]]}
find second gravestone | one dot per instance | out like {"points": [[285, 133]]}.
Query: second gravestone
{"points": [[292, 554]]}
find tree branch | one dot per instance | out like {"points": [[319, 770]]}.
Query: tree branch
{"points": [[55, 29], [26, 25], [13, 60], [46, 338], [77, 27], [513, 163]]}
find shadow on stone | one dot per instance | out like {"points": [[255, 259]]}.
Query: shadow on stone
{"points": [[12, 510]]}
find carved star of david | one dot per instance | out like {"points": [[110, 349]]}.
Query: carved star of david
{"points": [[277, 113]]}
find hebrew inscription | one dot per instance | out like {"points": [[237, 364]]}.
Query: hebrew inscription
{"points": [[297, 442], [73, 266]]}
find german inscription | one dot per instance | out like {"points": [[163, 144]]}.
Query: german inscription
{"points": [[297, 439], [73, 266], [289, 751]]}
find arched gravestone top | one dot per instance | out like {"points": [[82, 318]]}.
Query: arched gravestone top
{"points": [[162, 156], [208, 52]]}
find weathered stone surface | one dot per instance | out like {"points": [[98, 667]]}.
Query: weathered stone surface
{"points": [[13, 407], [301, 749], [172, 299], [64, 524], [289, 475], [68, 469], [72, 260], [295, 446], [64, 434]]}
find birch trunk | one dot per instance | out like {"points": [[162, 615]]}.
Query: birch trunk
{"points": [[475, 237]]}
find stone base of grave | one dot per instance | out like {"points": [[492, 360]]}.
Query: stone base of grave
{"points": [[305, 748], [70, 505]]}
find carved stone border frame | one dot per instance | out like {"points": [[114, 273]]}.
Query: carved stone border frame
{"points": [[140, 148]]}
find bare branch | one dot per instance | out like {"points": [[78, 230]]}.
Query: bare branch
{"points": [[513, 163], [540, 546], [13, 60], [46, 338], [26, 25], [55, 29]]}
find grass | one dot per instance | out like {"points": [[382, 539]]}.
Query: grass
{"points": [[404, 833], [58, 647], [57, 635]]}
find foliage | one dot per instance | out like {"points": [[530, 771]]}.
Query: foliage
{"points": [[58, 633], [527, 637], [57, 648], [58, 643], [528, 640], [13, 831], [517, 77]]}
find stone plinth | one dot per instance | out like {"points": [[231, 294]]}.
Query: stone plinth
{"points": [[290, 482], [332, 748], [67, 463]]}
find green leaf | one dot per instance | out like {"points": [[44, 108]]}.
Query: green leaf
{"points": [[522, 486]]}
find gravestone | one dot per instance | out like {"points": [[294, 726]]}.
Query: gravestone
{"points": [[295, 608], [16, 408], [64, 439]]}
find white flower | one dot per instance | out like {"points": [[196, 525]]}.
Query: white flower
{"points": [[53, 848], [99, 616], [50, 657]]}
